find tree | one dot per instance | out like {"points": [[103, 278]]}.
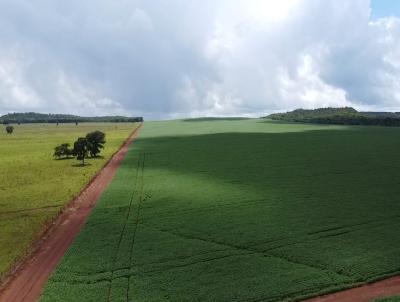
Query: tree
{"points": [[10, 129], [96, 141], [63, 151], [81, 149]]}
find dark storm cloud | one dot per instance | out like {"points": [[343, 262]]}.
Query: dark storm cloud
{"points": [[186, 58]]}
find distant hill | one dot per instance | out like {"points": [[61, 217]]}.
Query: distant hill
{"points": [[340, 116], [33, 117]]}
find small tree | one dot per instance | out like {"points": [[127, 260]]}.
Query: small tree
{"points": [[96, 141], [10, 129], [63, 151], [81, 149]]}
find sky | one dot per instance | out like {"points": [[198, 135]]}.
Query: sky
{"points": [[166, 59], [385, 8]]}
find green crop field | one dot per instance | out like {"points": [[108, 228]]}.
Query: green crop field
{"points": [[34, 186], [389, 299], [240, 210]]}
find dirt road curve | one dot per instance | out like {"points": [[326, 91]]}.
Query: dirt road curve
{"points": [[27, 282], [366, 293]]}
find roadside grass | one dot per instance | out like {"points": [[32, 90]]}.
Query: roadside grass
{"points": [[240, 210], [34, 187]]}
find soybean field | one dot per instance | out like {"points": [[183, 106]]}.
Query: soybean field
{"points": [[240, 210]]}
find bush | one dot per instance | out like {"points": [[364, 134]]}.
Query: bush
{"points": [[9, 129]]}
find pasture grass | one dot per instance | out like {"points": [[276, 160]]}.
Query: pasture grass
{"points": [[240, 210], [34, 186]]}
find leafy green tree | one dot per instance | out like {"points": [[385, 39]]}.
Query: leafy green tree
{"points": [[63, 151], [10, 129], [81, 149], [96, 141]]}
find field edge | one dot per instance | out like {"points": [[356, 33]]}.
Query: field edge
{"points": [[50, 226]]}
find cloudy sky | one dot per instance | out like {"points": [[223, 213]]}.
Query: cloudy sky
{"points": [[182, 58]]}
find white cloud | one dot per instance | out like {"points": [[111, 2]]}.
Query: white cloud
{"points": [[307, 89], [187, 58], [74, 97], [15, 91]]}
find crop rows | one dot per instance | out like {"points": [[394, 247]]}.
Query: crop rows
{"points": [[240, 211]]}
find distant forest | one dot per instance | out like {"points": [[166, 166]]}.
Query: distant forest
{"points": [[33, 117], [339, 116]]}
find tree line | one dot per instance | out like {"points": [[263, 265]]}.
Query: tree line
{"points": [[339, 116], [83, 147], [33, 117]]}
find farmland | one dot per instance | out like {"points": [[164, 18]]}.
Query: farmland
{"points": [[389, 299], [240, 210], [34, 187]]}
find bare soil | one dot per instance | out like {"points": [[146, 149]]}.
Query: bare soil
{"points": [[365, 293]]}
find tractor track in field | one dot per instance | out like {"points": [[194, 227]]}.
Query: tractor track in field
{"points": [[25, 284], [29, 278], [128, 214], [136, 224], [32, 210]]}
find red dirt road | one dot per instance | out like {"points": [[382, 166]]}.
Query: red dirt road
{"points": [[365, 293], [27, 282]]}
